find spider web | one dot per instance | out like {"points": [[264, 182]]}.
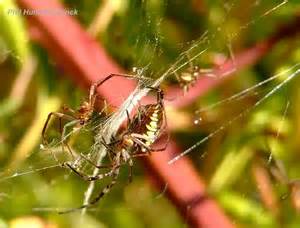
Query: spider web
{"points": [[180, 63], [196, 53]]}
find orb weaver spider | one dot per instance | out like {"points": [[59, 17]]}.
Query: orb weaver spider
{"points": [[77, 119], [188, 77], [136, 140]]}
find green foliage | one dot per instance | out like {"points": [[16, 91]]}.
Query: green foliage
{"points": [[13, 31], [247, 210], [150, 35]]}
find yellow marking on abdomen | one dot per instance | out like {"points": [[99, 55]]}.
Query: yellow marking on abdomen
{"points": [[153, 124], [150, 134], [150, 128], [153, 118]]}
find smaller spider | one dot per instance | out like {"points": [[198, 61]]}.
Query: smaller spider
{"points": [[77, 119], [188, 78]]}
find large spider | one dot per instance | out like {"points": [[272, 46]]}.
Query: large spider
{"points": [[136, 140]]}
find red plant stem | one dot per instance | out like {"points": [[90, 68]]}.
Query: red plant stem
{"points": [[76, 52], [242, 60], [183, 185], [204, 84], [86, 62]]}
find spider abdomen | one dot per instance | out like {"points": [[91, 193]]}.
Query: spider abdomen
{"points": [[150, 123]]}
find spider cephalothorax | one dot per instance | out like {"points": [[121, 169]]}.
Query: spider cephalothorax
{"points": [[84, 113], [188, 78]]}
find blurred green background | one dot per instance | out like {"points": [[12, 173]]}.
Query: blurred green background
{"points": [[151, 35]]}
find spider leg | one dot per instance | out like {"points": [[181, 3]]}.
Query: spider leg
{"points": [[208, 73], [108, 147], [90, 178], [167, 141], [115, 141], [58, 115], [100, 195], [142, 154], [181, 83], [126, 157], [67, 109], [105, 108], [159, 93], [160, 149], [141, 113], [139, 155], [177, 77], [128, 118], [64, 136], [139, 136], [136, 138], [95, 165], [130, 162], [95, 85], [107, 188]]}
